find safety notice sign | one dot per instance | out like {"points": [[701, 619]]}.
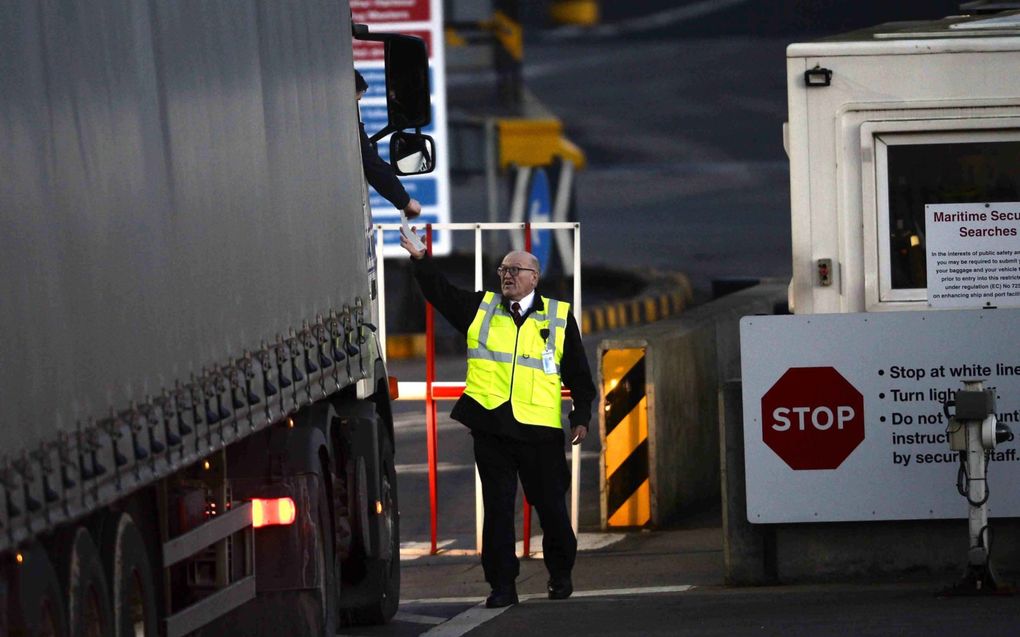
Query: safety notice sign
{"points": [[973, 254], [843, 413], [423, 19]]}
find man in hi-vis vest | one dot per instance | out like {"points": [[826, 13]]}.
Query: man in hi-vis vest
{"points": [[520, 347]]}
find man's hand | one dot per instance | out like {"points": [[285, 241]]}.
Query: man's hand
{"points": [[405, 244], [578, 434], [412, 209]]}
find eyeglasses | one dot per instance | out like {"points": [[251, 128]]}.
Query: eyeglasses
{"points": [[512, 270]]}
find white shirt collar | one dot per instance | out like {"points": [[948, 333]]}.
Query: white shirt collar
{"points": [[525, 302]]}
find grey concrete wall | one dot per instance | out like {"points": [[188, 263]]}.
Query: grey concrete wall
{"points": [[790, 553], [685, 359]]}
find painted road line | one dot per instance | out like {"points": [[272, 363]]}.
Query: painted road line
{"points": [[478, 615], [607, 592], [423, 467], [412, 618], [620, 592], [466, 621], [414, 548], [585, 542]]}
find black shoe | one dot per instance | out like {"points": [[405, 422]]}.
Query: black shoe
{"points": [[560, 587], [502, 597]]}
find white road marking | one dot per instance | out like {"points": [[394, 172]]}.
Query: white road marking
{"points": [[585, 542], [608, 592], [618, 592], [466, 621], [412, 618], [423, 467], [443, 467], [422, 546]]}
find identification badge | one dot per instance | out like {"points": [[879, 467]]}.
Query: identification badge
{"points": [[548, 362]]}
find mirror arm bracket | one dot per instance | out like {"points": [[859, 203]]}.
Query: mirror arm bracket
{"points": [[383, 132]]}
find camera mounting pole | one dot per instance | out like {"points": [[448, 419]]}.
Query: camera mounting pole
{"points": [[973, 431]]}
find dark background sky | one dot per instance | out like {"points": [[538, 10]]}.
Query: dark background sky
{"points": [[769, 17]]}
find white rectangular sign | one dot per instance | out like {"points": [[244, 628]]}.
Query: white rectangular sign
{"points": [[973, 254], [843, 416], [424, 19]]}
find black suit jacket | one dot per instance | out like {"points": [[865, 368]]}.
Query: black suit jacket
{"points": [[459, 307], [381, 175]]}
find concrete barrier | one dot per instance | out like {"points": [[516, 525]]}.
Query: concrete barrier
{"points": [[685, 358]]}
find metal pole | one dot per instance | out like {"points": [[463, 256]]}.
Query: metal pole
{"points": [[976, 488], [430, 403], [479, 506], [527, 507], [575, 450], [381, 289]]}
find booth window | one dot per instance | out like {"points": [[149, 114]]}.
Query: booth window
{"points": [[938, 173]]}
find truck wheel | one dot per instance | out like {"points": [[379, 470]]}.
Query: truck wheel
{"points": [[88, 603], [131, 579], [384, 574], [37, 603]]}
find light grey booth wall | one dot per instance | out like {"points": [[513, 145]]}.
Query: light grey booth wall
{"points": [[685, 359]]}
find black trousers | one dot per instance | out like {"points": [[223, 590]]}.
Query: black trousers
{"points": [[543, 472]]}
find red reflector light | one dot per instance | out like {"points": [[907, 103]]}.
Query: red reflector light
{"points": [[394, 387], [272, 512]]}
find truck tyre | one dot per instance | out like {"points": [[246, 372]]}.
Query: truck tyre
{"points": [[384, 574], [133, 591], [88, 600], [37, 602]]}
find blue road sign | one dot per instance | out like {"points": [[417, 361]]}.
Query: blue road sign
{"points": [[540, 210]]}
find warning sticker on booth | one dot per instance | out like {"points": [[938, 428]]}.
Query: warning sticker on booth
{"points": [[973, 254]]}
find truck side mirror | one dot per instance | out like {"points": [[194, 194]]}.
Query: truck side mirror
{"points": [[412, 153], [408, 102]]}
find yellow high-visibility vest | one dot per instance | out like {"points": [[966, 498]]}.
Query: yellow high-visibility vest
{"points": [[505, 363]]}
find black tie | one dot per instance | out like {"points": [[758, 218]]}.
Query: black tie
{"points": [[515, 309]]}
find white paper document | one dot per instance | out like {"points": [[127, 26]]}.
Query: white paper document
{"points": [[409, 234]]}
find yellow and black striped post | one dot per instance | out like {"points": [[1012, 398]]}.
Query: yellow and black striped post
{"points": [[626, 493]]}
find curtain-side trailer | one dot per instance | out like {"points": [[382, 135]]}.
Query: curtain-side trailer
{"points": [[196, 432]]}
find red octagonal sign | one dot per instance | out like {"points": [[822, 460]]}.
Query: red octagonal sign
{"points": [[812, 418]]}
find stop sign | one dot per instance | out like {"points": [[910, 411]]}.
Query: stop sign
{"points": [[812, 418]]}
